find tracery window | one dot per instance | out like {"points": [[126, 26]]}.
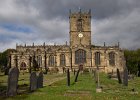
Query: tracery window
{"points": [[80, 56], [112, 58], [97, 58], [51, 60], [79, 25], [62, 60]]}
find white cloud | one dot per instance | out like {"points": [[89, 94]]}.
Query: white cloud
{"points": [[123, 28], [113, 21]]}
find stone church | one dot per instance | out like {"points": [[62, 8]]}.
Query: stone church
{"points": [[78, 52]]}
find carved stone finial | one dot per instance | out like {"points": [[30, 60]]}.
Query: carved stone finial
{"points": [[44, 44], [104, 44], [89, 11], [79, 10], [118, 44]]}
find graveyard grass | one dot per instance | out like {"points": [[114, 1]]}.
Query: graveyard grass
{"points": [[83, 89]]}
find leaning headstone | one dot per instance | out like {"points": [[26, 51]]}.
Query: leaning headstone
{"points": [[33, 81], [119, 77], [125, 77], [74, 72], [68, 77], [12, 81], [40, 80], [138, 69], [30, 61], [77, 75]]}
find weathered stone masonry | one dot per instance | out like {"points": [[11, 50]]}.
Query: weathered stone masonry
{"points": [[80, 51]]}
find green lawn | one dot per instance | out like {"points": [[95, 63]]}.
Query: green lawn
{"points": [[84, 89]]}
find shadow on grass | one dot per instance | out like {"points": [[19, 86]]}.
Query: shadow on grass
{"points": [[22, 90], [2, 91], [3, 75]]}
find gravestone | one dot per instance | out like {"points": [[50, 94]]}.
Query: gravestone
{"points": [[138, 69], [125, 77], [63, 69], [77, 75], [40, 80], [74, 72], [12, 81], [30, 61], [119, 77], [68, 77], [95, 76], [33, 81]]}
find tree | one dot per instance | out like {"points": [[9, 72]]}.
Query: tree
{"points": [[4, 59], [132, 59]]}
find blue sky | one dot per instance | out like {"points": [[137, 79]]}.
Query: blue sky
{"points": [[39, 21], [16, 28]]}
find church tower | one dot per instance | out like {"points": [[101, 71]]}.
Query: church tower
{"points": [[80, 28]]}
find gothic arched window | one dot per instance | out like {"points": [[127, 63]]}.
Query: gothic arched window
{"points": [[79, 25], [97, 58], [112, 58], [51, 60], [80, 56], [62, 60]]}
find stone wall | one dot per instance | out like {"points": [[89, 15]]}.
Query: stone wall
{"points": [[22, 54], [25, 53]]}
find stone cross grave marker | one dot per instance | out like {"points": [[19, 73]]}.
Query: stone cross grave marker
{"points": [[40, 80], [33, 81], [12, 81]]}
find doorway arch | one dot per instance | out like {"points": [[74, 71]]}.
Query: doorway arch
{"points": [[23, 66]]}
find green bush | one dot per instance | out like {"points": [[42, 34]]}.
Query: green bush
{"points": [[132, 59]]}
